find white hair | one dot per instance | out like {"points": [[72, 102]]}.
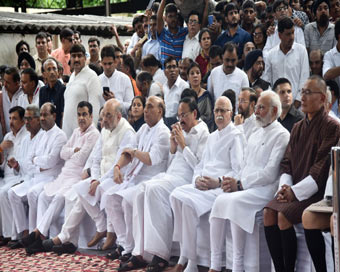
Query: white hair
{"points": [[329, 96], [50, 60], [274, 101]]}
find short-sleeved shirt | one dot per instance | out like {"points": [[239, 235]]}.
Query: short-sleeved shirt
{"points": [[172, 44], [314, 40], [240, 38]]}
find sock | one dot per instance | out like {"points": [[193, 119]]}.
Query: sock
{"points": [[317, 248], [273, 237], [289, 247]]}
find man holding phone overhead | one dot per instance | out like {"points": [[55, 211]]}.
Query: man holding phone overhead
{"points": [[115, 84]]}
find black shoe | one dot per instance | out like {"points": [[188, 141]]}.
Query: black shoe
{"points": [[157, 264], [28, 240], [114, 255], [64, 248], [48, 245], [4, 241], [132, 264], [124, 258], [36, 247], [15, 245]]}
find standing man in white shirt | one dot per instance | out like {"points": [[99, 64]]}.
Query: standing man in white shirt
{"points": [[84, 85], [227, 75], [45, 164], [288, 59], [331, 60], [152, 44], [30, 87], [191, 46], [154, 67], [191, 204], [258, 181], [187, 142], [119, 84], [172, 89]]}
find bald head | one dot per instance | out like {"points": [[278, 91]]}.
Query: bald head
{"points": [[223, 112], [154, 110], [316, 62], [112, 113]]}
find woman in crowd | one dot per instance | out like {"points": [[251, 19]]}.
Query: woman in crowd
{"points": [[205, 106], [259, 36], [203, 58], [137, 112], [22, 46]]}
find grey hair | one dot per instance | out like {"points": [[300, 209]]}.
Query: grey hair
{"points": [[274, 101], [119, 108], [33, 108], [329, 96], [49, 60]]}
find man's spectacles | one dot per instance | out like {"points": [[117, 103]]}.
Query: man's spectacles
{"points": [[222, 111], [192, 22], [183, 115], [308, 92], [281, 9]]}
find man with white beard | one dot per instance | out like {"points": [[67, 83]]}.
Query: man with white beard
{"points": [[191, 204], [152, 215], [257, 184]]}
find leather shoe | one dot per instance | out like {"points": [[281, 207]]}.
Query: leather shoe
{"points": [[110, 240], [132, 264], [64, 248], [95, 240], [15, 245], [48, 245], [4, 241], [115, 254], [34, 248], [29, 239]]}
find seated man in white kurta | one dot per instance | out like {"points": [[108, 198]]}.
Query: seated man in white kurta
{"points": [[258, 182], [44, 164], [152, 215], [223, 156], [149, 159], [75, 153], [9, 149], [116, 135]]}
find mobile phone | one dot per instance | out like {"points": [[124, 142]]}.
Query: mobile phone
{"points": [[106, 90], [210, 20]]}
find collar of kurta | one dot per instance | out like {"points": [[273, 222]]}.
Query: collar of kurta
{"points": [[156, 125], [199, 127], [91, 127]]}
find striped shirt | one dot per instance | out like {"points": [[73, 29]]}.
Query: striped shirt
{"points": [[172, 44]]}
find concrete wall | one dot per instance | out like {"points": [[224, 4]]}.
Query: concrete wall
{"points": [[8, 42]]}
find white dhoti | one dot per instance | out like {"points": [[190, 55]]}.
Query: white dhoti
{"points": [[158, 220], [191, 208], [49, 209], [6, 222]]}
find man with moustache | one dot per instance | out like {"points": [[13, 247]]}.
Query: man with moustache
{"points": [[187, 142], [227, 74], [254, 67], [10, 147], [94, 49], [320, 34], [256, 184], [52, 199], [44, 164], [287, 59], [289, 115], [316, 62], [147, 160], [30, 86], [86, 195], [84, 85], [191, 204], [303, 174], [245, 119], [42, 52]]}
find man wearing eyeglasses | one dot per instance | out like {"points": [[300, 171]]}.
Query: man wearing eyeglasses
{"points": [[303, 174], [246, 195], [191, 46], [62, 54], [191, 204]]}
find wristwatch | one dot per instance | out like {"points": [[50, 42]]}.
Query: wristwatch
{"points": [[239, 187]]}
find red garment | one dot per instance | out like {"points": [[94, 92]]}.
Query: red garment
{"points": [[203, 62]]}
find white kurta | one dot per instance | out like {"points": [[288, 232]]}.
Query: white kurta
{"points": [[218, 82], [155, 141], [249, 126], [223, 156], [259, 177], [8, 104], [158, 220], [191, 47], [23, 98], [160, 77], [172, 96], [85, 86], [120, 84]]}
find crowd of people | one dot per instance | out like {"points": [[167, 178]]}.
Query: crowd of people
{"points": [[198, 131]]}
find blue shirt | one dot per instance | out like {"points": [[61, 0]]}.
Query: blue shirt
{"points": [[151, 47], [240, 38], [171, 44]]}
